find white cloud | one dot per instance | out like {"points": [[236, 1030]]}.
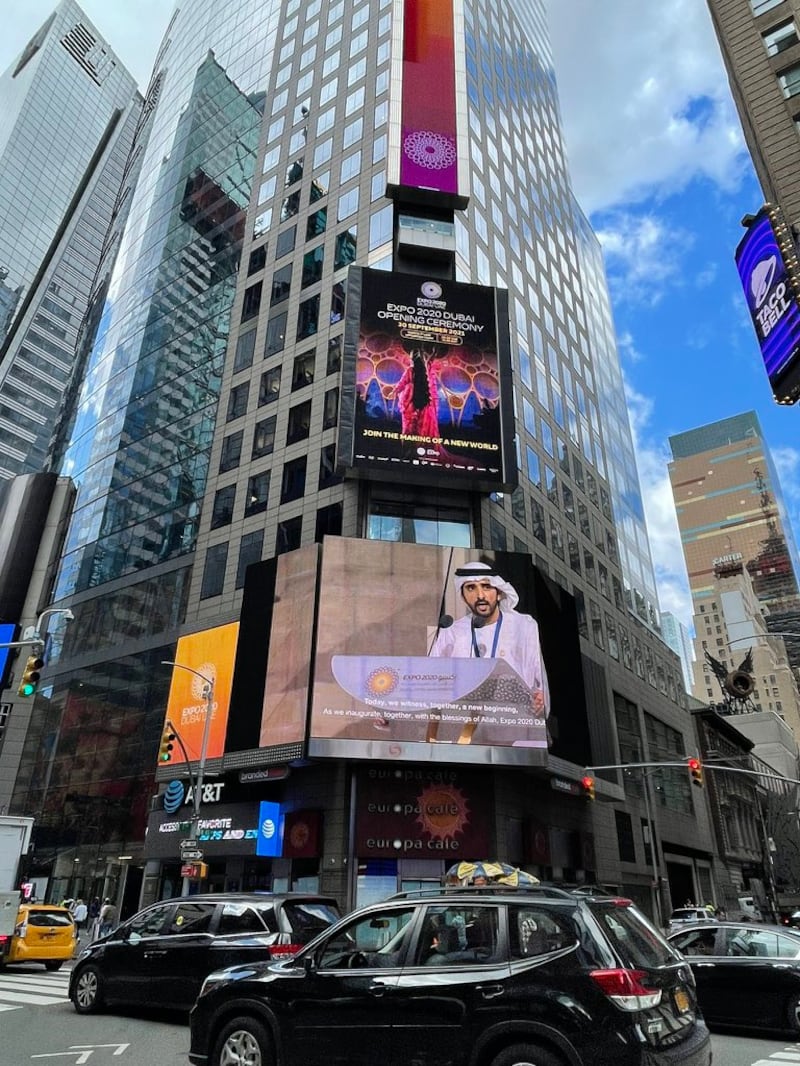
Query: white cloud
{"points": [[645, 99], [787, 464], [643, 255], [662, 523]]}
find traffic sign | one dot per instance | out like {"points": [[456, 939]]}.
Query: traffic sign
{"points": [[188, 844], [192, 856]]}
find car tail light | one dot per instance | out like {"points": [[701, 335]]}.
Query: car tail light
{"points": [[4, 940], [283, 951], [626, 988], [21, 929]]}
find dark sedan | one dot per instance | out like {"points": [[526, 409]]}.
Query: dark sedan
{"points": [[747, 974], [162, 955]]}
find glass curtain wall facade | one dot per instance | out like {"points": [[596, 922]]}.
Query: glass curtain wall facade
{"points": [[60, 171], [205, 431]]}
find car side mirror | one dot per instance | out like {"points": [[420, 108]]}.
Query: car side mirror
{"points": [[309, 963]]}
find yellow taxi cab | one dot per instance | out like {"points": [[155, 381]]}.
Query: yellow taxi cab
{"points": [[43, 933]]}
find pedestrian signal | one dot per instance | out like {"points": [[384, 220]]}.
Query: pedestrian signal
{"points": [[167, 744], [696, 772], [31, 675], [588, 787]]}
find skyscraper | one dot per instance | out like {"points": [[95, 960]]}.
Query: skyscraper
{"points": [[759, 44], [731, 515], [69, 112], [204, 437]]}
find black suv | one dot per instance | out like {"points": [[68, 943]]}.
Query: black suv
{"points": [[485, 977], [161, 955]]}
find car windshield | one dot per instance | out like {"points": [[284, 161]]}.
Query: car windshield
{"points": [[635, 941]]}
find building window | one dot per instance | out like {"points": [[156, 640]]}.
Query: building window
{"points": [[264, 437], [250, 550], [290, 206], [237, 401], [337, 302], [289, 535], [789, 80], [330, 413], [345, 250], [252, 301], [312, 266], [299, 422], [348, 204], [276, 334], [497, 535], [214, 571], [760, 6], [231, 451], [293, 484], [303, 370], [574, 553], [308, 318], [294, 171], [258, 258], [269, 386], [625, 844], [329, 522], [285, 242], [222, 512], [281, 285], [257, 493], [317, 223], [319, 186], [537, 521], [327, 467], [334, 363], [245, 346]]}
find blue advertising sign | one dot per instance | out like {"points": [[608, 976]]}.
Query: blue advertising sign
{"points": [[8, 632], [269, 829], [763, 259]]}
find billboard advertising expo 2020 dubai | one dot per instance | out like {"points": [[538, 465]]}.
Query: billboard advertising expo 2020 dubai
{"points": [[426, 382]]}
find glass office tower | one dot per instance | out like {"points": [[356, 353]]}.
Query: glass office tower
{"points": [[204, 436], [68, 113]]}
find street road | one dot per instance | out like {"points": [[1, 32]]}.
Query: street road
{"points": [[40, 1028]]}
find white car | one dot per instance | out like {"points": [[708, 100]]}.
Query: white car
{"points": [[683, 915]]}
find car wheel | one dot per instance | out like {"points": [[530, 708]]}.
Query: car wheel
{"points": [[87, 996], [793, 1014], [242, 1042], [52, 966], [527, 1055]]}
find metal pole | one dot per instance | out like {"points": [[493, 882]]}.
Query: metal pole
{"points": [[197, 778], [654, 856]]}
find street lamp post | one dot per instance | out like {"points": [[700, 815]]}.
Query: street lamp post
{"points": [[197, 777]]}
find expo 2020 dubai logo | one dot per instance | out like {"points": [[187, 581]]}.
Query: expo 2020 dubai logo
{"points": [[430, 150]]}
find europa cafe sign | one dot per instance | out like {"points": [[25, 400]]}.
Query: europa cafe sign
{"points": [[420, 813]]}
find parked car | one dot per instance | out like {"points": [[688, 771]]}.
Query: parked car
{"points": [[747, 975], [686, 915], [485, 976], [161, 955], [42, 933]]}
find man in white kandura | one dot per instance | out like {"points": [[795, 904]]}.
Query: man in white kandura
{"points": [[493, 629]]}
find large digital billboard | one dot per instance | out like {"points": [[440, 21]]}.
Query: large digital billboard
{"points": [[426, 382], [427, 138], [768, 268], [207, 655], [439, 654]]}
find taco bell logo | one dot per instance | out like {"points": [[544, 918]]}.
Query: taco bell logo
{"points": [[770, 303]]}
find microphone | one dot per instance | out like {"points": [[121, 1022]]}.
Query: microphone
{"points": [[477, 622], [445, 621]]}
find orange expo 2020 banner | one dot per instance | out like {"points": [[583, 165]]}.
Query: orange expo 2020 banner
{"points": [[211, 653]]}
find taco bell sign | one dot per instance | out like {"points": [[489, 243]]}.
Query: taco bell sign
{"points": [[767, 265]]}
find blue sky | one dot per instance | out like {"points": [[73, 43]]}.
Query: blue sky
{"points": [[658, 163]]}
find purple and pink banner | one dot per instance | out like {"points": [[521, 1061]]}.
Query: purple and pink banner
{"points": [[429, 146]]}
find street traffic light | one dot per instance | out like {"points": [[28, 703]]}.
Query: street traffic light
{"points": [[696, 771], [31, 675], [588, 787], [167, 744]]}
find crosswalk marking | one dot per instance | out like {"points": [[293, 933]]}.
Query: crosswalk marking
{"points": [[31, 988]]}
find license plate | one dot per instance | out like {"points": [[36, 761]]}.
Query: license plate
{"points": [[682, 1001]]}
